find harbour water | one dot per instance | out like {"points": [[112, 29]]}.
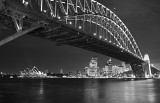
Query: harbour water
{"points": [[61, 90]]}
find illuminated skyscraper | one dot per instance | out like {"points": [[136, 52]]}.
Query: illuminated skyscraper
{"points": [[93, 66], [105, 70], [115, 70], [128, 67], [123, 64], [109, 63], [86, 71]]}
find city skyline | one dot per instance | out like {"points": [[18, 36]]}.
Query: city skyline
{"points": [[93, 70], [115, 62], [141, 17]]}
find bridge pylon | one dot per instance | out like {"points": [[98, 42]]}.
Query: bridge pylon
{"points": [[147, 66], [138, 70]]}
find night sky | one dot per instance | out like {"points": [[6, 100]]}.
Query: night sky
{"points": [[142, 17]]}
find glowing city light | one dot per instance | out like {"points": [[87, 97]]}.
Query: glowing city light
{"points": [[121, 50], [26, 3], [70, 22], [100, 37], [94, 34], [80, 27], [59, 17], [45, 11]]}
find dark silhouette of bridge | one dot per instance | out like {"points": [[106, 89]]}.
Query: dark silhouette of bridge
{"points": [[85, 24]]}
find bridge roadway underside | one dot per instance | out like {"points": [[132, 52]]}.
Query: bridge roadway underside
{"points": [[64, 35], [68, 36]]}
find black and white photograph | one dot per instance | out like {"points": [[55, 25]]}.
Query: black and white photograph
{"points": [[79, 51]]}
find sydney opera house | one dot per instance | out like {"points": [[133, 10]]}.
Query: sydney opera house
{"points": [[32, 73]]}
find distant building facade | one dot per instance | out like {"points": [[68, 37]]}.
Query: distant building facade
{"points": [[93, 67], [109, 63], [115, 70]]}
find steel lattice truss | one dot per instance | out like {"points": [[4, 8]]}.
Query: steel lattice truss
{"points": [[89, 17]]}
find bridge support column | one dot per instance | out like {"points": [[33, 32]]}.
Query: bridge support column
{"points": [[147, 70], [138, 70], [147, 66]]}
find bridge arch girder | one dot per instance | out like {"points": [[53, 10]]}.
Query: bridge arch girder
{"points": [[61, 9], [110, 27], [92, 7], [65, 8]]}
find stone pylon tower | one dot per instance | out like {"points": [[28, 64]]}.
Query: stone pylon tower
{"points": [[147, 66]]}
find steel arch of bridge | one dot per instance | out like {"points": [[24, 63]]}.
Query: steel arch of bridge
{"points": [[87, 16], [91, 17]]}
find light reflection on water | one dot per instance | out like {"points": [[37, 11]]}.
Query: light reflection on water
{"points": [[41, 88], [121, 92], [79, 91], [40, 93], [91, 91]]}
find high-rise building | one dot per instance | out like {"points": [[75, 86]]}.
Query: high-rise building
{"points": [[93, 66], [109, 63], [123, 64], [78, 73], [115, 70], [86, 71], [128, 67], [121, 69], [105, 70], [98, 71]]}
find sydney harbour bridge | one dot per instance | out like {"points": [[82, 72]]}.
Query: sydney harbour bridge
{"points": [[85, 24]]}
